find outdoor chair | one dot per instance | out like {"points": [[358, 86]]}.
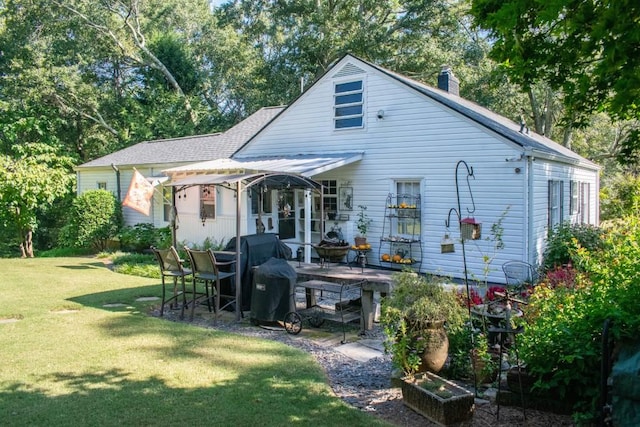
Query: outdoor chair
{"points": [[207, 269], [519, 277], [171, 267]]}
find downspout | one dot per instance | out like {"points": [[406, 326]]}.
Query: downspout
{"points": [[117, 171], [529, 233]]}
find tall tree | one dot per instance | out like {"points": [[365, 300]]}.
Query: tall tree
{"points": [[30, 181], [115, 73], [587, 49]]}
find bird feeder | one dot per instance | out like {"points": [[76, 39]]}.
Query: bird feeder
{"points": [[446, 245], [470, 229]]}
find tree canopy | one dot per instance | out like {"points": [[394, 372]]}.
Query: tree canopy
{"points": [[87, 78], [29, 183], [588, 49]]}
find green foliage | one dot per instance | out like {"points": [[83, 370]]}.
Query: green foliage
{"points": [[494, 243], [586, 49], [208, 243], [416, 301], [31, 180], [561, 341], [96, 217], [620, 198], [467, 342], [142, 236], [143, 265], [363, 221], [566, 238], [64, 252]]}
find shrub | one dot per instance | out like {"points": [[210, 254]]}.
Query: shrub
{"points": [[620, 198], [94, 219], [143, 265], [142, 236], [561, 342], [566, 238], [415, 302]]}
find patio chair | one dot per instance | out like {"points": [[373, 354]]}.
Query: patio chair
{"points": [[207, 269], [171, 267], [519, 276]]}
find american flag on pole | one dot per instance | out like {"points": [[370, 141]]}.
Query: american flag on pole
{"points": [[139, 195]]}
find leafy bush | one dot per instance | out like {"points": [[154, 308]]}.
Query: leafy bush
{"points": [[561, 341], [620, 198], [143, 265], [144, 235], [208, 243], [415, 302], [94, 219], [568, 237], [64, 252]]}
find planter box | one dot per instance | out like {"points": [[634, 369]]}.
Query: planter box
{"points": [[436, 398]]}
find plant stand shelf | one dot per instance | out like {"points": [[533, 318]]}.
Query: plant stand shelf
{"points": [[400, 243]]}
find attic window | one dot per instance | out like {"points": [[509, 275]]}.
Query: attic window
{"points": [[348, 105]]}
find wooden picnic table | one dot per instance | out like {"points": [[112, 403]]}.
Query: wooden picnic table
{"points": [[376, 281]]}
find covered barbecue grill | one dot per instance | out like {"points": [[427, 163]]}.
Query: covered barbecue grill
{"points": [[273, 293]]}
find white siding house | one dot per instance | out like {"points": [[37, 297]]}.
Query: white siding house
{"points": [[412, 138], [365, 132], [113, 172]]}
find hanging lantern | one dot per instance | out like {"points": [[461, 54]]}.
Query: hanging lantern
{"points": [[470, 229], [446, 245]]}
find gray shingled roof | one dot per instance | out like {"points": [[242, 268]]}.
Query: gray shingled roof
{"points": [[190, 148], [487, 118]]}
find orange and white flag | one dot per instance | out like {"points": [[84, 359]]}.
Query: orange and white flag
{"points": [[140, 194]]}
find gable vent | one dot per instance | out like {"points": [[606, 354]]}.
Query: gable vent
{"points": [[348, 70]]}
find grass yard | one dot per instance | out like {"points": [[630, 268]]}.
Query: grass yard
{"points": [[77, 349]]}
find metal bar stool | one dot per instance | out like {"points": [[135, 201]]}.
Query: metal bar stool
{"points": [[171, 266]]}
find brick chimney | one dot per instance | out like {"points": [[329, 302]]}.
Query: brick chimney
{"points": [[448, 82]]}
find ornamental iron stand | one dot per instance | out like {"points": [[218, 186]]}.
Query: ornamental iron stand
{"points": [[457, 210]]}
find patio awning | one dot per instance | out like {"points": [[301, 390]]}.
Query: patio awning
{"points": [[275, 172], [301, 164], [274, 180], [156, 180]]}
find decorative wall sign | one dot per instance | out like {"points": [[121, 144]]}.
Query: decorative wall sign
{"points": [[346, 198]]}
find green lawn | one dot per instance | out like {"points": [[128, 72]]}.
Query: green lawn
{"points": [[67, 359]]}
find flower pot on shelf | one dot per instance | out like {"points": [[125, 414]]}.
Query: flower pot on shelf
{"points": [[437, 399], [360, 241]]}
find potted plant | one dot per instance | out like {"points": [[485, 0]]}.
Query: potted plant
{"points": [[471, 357], [415, 317], [362, 224]]}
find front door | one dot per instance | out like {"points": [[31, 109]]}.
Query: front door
{"points": [[286, 214]]}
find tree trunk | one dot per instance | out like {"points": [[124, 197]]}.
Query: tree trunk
{"points": [[28, 240], [26, 244]]}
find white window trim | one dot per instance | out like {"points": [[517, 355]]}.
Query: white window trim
{"points": [[363, 103], [555, 213], [585, 201]]}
